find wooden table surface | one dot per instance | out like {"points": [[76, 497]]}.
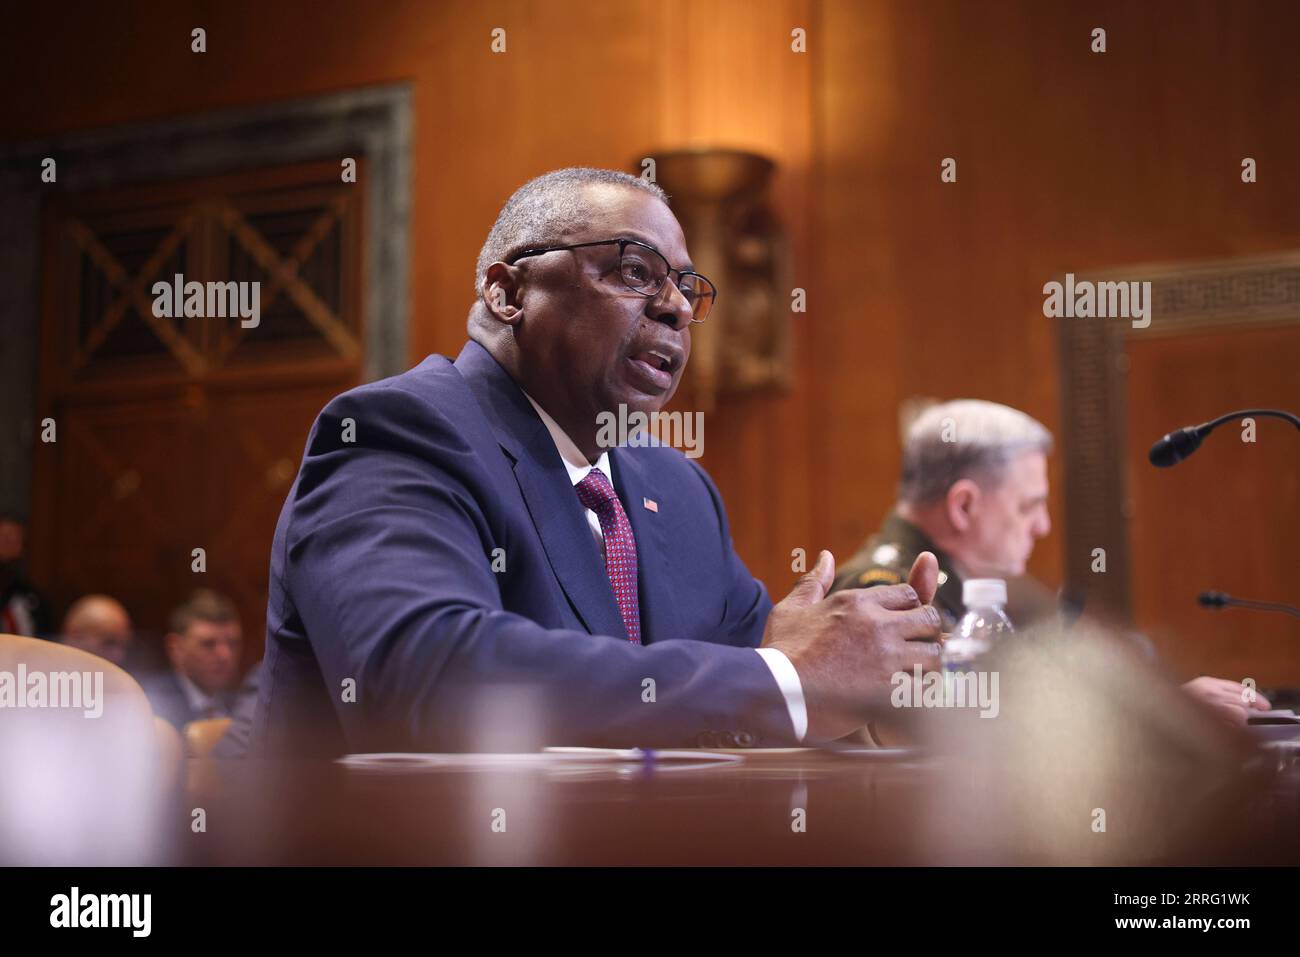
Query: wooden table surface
{"points": [[791, 807]]}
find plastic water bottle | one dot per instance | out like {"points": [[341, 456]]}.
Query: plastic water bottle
{"points": [[981, 628]]}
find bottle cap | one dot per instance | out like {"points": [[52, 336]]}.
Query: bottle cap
{"points": [[983, 591]]}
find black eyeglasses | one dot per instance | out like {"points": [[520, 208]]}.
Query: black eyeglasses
{"points": [[645, 270]]}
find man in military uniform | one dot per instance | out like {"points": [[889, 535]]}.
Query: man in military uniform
{"points": [[973, 492], [886, 558]]}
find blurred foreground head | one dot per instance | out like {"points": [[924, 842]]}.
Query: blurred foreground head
{"points": [[86, 771], [1091, 756]]}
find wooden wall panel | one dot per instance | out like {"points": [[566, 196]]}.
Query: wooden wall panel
{"points": [[175, 436], [1067, 161]]}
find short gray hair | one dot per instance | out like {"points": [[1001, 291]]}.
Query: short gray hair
{"points": [[965, 439], [548, 209]]}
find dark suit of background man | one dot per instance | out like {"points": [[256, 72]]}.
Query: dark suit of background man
{"points": [[458, 556], [973, 490]]}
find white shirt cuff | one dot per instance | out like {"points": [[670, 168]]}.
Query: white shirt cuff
{"points": [[787, 679]]}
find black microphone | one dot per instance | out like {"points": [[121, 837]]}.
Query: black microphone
{"points": [[1173, 447], [1217, 599]]}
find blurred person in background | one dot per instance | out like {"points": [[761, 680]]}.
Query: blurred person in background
{"points": [[203, 646], [100, 625], [23, 611], [973, 491]]}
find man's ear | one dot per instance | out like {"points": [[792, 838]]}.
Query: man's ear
{"points": [[501, 289], [962, 500]]}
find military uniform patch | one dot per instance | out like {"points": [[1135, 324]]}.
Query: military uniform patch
{"points": [[879, 576], [887, 557]]}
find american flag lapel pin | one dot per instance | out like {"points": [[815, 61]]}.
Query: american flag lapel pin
{"points": [[650, 504]]}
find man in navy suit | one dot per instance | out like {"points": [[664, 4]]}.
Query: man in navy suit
{"points": [[202, 645], [459, 557]]}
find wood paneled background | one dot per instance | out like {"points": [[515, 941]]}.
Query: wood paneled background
{"points": [[1067, 161]]}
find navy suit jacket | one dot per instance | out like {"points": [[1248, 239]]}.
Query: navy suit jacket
{"points": [[388, 628]]}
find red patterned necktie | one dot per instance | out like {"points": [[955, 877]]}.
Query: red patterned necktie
{"points": [[597, 494]]}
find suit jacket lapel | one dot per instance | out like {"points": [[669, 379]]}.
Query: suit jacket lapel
{"points": [[659, 620], [552, 503]]}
